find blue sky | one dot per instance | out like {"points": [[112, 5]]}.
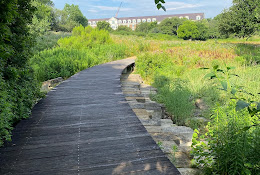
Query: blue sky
{"points": [[93, 9]]}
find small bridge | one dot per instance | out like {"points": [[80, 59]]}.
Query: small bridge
{"points": [[84, 126]]}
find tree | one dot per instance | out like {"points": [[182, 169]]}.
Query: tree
{"points": [[145, 26], [170, 26], [70, 17], [18, 88], [203, 30], [240, 19], [41, 21], [103, 25], [124, 28], [188, 30], [213, 31]]}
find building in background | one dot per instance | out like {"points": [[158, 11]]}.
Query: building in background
{"points": [[132, 22]]}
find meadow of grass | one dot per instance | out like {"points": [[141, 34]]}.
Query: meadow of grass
{"points": [[174, 68]]}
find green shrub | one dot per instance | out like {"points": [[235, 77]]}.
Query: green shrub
{"points": [[228, 148], [48, 41], [86, 47], [18, 89], [83, 38], [188, 30]]}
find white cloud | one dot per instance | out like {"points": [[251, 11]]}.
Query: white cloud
{"points": [[180, 5], [111, 8], [93, 11]]}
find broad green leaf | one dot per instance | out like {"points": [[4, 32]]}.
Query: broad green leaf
{"points": [[241, 105], [164, 8], [159, 6], [156, 1], [209, 75], [215, 67], [224, 85], [233, 91]]}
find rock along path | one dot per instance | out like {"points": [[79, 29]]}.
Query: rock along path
{"points": [[84, 126]]}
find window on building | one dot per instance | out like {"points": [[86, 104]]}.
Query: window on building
{"points": [[89, 23], [94, 22], [143, 20], [187, 17], [129, 21], [124, 21], [120, 21], [154, 19], [198, 17], [138, 20], [149, 20], [134, 20]]}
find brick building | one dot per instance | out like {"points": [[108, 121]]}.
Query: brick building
{"points": [[132, 22]]}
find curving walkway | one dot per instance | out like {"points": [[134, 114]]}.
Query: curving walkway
{"points": [[84, 126]]}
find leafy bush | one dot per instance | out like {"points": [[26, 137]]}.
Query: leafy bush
{"points": [[83, 38], [17, 86], [124, 28], [48, 41], [227, 148], [85, 48], [145, 26], [170, 26], [188, 30], [103, 25]]}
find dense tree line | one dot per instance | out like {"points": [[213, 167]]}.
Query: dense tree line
{"points": [[46, 17]]}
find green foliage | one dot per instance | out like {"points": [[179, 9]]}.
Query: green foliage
{"points": [[174, 92], [232, 137], [224, 149], [124, 28], [213, 31], [68, 18], [41, 21], [170, 26], [250, 52], [203, 30], [240, 19], [18, 89], [82, 38], [145, 26], [188, 30], [103, 25], [48, 41], [86, 47]]}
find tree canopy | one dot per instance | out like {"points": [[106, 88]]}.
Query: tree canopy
{"points": [[103, 25], [241, 19]]}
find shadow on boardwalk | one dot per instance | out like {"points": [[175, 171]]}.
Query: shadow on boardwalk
{"points": [[84, 126]]}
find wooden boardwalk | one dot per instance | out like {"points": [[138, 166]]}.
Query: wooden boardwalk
{"points": [[84, 126]]}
